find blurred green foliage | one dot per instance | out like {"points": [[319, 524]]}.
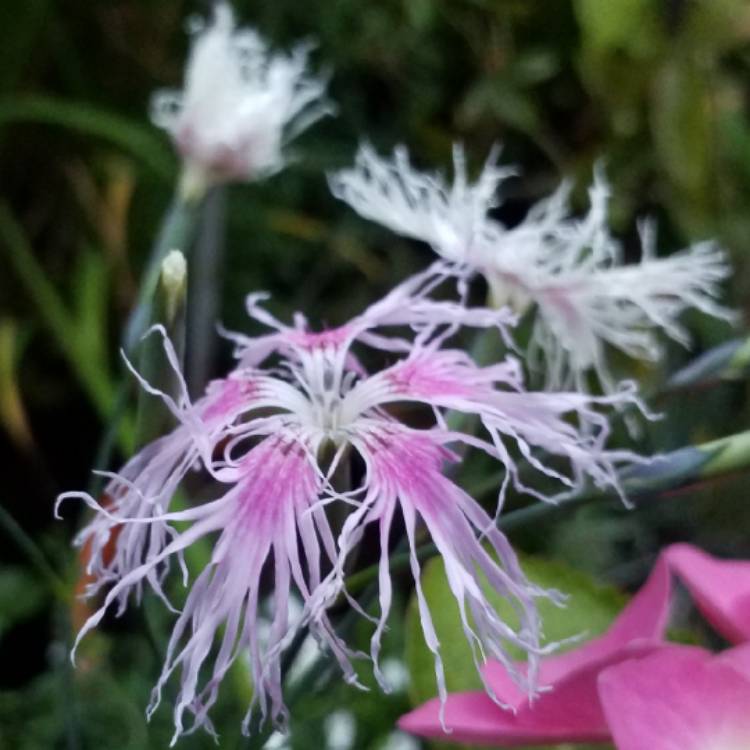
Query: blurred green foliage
{"points": [[656, 88]]}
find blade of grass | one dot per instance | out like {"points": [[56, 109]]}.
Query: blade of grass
{"points": [[55, 316], [131, 136]]}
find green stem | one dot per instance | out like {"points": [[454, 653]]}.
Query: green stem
{"points": [[204, 297], [153, 418], [176, 233]]}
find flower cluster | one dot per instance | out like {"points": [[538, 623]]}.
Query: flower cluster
{"points": [[629, 685]]}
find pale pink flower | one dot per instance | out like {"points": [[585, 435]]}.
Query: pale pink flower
{"points": [[570, 270], [575, 708], [241, 103], [263, 433]]}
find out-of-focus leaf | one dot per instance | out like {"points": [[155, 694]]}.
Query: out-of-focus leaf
{"points": [[589, 611], [56, 316], [501, 100], [53, 311], [618, 24], [21, 596], [711, 28], [20, 22], [92, 121], [728, 360], [421, 12], [12, 412], [682, 129], [90, 295], [689, 464], [621, 42], [535, 66], [734, 136], [44, 714]]}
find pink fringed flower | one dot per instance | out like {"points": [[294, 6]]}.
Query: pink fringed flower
{"points": [[571, 270], [274, 436], [592, 693], [240, 104]]}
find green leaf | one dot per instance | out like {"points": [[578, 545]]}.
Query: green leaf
{"points": [[623, 24], [52, 310], [96, 712], [589, 611], [728, 359], [12, 413], [91, 296], [714, 28], [133, 137], [682, 124]]}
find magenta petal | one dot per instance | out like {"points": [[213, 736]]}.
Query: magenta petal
{"points": [[738, 658], [571, 702], [720, 588], [473, 717], [679, 697]]}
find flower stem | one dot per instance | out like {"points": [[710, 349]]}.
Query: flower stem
{"points": [[175, 233], [168, 309], [204, 296]]}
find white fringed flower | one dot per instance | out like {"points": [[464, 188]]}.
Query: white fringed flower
{"points": [[240, 104], [451, 218], [571, 269]]}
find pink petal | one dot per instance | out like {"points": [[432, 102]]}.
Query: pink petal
{"points": [[738, 658], [473, 717], [679, 698], [720, 588]]}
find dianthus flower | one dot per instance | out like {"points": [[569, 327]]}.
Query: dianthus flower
{"points": [[273, 433], [572, 270], [241, 103]]}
